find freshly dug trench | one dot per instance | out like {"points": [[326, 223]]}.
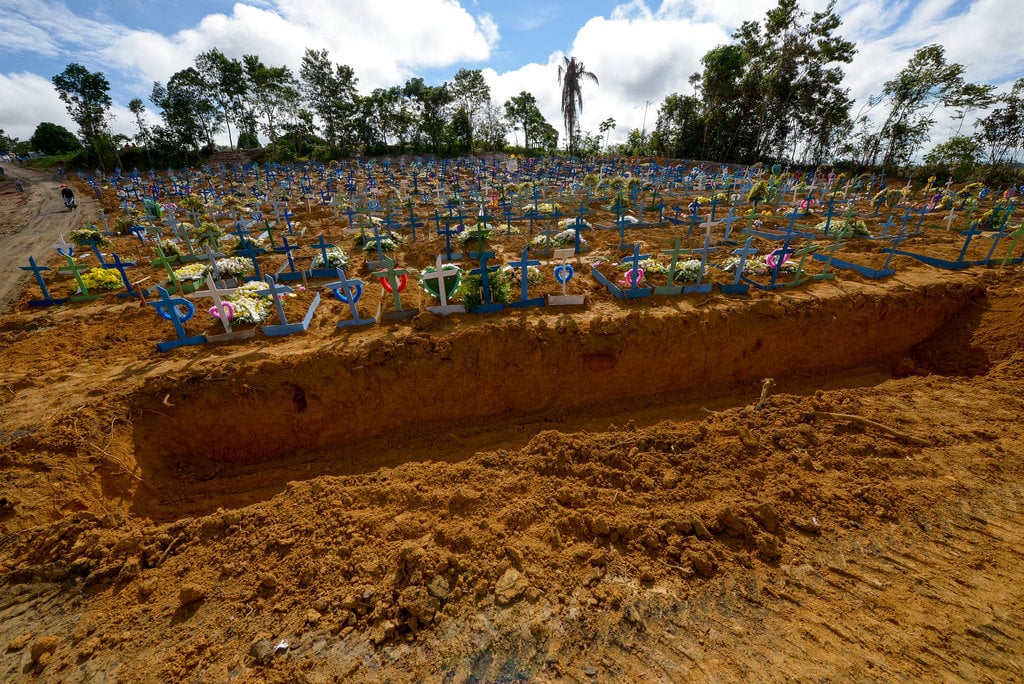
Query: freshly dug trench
{"points": [[328, 398]]}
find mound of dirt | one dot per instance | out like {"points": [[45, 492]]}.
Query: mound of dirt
{"points": [[609, 493]]}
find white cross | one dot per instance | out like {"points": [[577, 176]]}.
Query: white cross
{"points": [[439, 275], [62, 247], [215, 293], [949, 219]]}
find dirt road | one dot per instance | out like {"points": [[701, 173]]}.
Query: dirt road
{"points": [[32, 221]]}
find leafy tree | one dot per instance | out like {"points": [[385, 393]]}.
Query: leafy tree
{"points": [[606, 127], [430, 104], [86, 96], [1001, 132], [926, 82], [790, 88], [471, 93], [571, 75], [331, 93], [522, 113], [225, 85], [957, 157], [271, 92], [136, 106], [492, 129], [188, 112], [678, 132], [774, 92], [50, 138], [7, 143]]}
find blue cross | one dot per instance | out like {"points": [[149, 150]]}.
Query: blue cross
{"points": [[169, 305], [730, 219], [287, 250], [412, 222], [251, 252], [275, 291], [524, 265], [37, 271], [635, 259], [968, 235], [483, 270], [743, 252], [120, 266], [323, 246], [447, 232]]}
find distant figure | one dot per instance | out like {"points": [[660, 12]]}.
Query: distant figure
{"points": [[18, 185], [68, 195]]}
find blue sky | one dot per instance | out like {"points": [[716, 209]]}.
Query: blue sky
{"points": [[642, 50]]}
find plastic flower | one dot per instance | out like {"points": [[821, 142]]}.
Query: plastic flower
{"points": [[336, 258], [250, 307]]}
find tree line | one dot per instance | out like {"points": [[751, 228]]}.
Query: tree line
{"points": [[772, 94]]}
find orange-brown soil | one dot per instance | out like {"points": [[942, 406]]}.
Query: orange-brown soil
{"points": [[599, 493]]}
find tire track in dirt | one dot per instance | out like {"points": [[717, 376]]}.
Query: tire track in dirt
{"points": [[866, 607], [39, 222]]}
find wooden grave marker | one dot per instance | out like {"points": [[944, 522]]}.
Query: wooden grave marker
{"points": [[441, 273], [285, 328], [168, 309], [563, 273]]}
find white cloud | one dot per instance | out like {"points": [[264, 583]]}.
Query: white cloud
{"points": [[28, 100], [642, 52]]}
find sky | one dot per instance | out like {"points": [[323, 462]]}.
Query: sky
{"points": [[641, 51]]}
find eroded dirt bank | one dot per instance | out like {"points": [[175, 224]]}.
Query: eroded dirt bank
{"points": [[865, 532]]}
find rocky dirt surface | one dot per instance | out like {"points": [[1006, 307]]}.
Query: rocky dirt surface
{"points": [[605, 493]]}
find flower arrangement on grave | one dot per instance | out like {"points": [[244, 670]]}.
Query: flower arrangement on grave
{"points": [[887, 196], [170, 247], [845, 227], [565, 238], [204, 234], [567, 223], [618, 203], [234, 267], [757, 266], [102, 279], [967, 193], [534, 276], [124, 222], [481, 231], [191, 203], [991, 219], [687, 271], [758, 192], [389, 242], [193, 272], [365, 221], [548, 207], [81, 236], [249, 306], [336, 258], [232, 203], [470, 290]]}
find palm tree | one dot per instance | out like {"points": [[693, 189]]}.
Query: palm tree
{"points": [[570, 76]]}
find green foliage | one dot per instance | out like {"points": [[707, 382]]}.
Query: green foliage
{"points": [[845, 227], [775, 90], [50, 139], [470, 291], [85, 95]]}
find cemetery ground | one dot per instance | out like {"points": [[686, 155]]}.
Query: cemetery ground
{"points": [[606, 492]]}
